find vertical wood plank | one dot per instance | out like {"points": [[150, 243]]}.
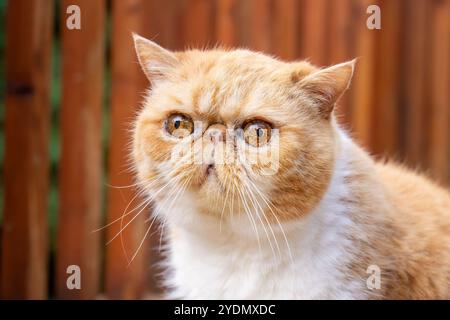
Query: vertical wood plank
{"points": [[198, 23], [439, 120], [339, 29], [364, 79], [386, 125], [339, 44], [163, 22], [314, 20], [260, 25], [285, 21], [414, 70], [25, 231], [226, 26], [123, 281], [80, 172]]}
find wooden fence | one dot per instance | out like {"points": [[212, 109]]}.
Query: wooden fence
{"points": [[398, 106]]}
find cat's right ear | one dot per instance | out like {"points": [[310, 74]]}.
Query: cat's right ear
{"points": [[156, 62]]}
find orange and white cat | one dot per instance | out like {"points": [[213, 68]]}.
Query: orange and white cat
{"points": [[313, 217]]}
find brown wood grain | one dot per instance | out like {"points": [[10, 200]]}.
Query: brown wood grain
{"points": [[226, 20], [80, 168], [285, 39], [386, 124], [198, 23], [362, 98], [26, 168], [313, 25], [161, 21], [260, 25], [413, 84], [124, 280], [439, 112]]}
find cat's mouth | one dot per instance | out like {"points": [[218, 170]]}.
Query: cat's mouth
{"points": [[211, 177]]}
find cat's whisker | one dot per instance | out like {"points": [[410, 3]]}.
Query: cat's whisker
{"points": [[243, 164], [233, 195], [175, 194], [155, 214], [247, 190], [140, 245], [218, 197], [268, 203], [169, 196], [225, 201], [122, 228], [178, 189], [250, 217], [267, 221], [153, 219], [137, 184], [184, 187], [125, 213], [247, 169]]}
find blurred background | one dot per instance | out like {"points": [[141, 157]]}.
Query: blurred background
{"points": [[67, 98]]}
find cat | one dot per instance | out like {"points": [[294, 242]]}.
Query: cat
{"points": [[313, 217]]}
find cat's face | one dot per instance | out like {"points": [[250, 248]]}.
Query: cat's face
{"points": [[230, 133]]}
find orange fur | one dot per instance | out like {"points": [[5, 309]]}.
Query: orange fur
{"points": [[405, 221]]}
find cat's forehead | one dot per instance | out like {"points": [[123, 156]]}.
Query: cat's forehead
{"points": [[229, 84], [227, 67]]}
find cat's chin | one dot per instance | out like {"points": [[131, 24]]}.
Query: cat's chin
{"points": [[211, 186], [211, 180]]}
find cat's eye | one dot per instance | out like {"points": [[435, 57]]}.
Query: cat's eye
{"points": [[257, 133], [179, 125]]}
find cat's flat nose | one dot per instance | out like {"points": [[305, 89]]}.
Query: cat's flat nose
{"points": [[216, 133]]}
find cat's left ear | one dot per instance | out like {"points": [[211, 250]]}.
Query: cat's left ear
{"points": [[326, 86], [156, 62]]}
